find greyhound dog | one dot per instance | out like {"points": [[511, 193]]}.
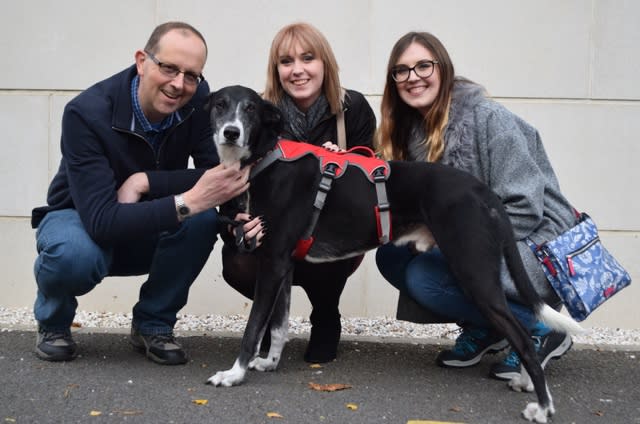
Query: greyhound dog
{"points": [[429, 204]]}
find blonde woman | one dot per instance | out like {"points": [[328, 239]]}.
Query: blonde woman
{"points": [[303, 81]]}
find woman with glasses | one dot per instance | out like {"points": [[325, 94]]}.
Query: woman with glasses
{"points": [[303, 81], [430, 114]]}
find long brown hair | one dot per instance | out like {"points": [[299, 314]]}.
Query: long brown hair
{"points": [[397, 117], [311, 40]]}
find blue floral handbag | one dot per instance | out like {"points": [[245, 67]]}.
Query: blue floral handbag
{"points": [[582, 272]]}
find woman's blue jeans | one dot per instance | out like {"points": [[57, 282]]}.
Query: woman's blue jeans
{"points": [[426, 278], [70, 264]]}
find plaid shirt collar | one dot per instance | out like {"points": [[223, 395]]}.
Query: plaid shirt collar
{"points": [[147, 126]]}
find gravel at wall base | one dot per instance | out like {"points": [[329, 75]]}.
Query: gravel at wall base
{"points": [[379, 327]]}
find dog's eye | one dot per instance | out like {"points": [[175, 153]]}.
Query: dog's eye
{"points": [[219, 105], [250, 107]]}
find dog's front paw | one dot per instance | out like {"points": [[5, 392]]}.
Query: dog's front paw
{"points": [[228, 378], [534, 412], [264, 364], [521, 383]]}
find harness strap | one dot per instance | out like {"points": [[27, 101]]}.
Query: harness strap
{"points": [[330, 171], [304, 244], [383, 210], [271, 157]]}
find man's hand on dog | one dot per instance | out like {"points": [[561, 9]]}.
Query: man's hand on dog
{"points": [[217, 186]]}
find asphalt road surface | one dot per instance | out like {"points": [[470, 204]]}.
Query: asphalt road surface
{"points": [[387, 382]]}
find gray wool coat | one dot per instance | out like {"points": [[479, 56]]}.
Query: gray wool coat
{"points": [[502, 150]]}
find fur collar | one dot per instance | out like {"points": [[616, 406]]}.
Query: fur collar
{"points": [[459, 150]]}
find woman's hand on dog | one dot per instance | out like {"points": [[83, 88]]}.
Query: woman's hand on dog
{"points": [[330, 145], [252, 228]]}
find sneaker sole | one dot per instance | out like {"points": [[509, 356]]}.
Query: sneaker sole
{"points": [[555, 354], [508, 375], [559, 351], [55, 358], [456, 363], [142, 347]]}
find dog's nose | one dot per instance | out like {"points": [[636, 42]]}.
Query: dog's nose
{"points": [[231, 133]]}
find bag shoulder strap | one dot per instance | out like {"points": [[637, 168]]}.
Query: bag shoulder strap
{"points": [[342, 133]]}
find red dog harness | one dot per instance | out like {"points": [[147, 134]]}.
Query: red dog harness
{"points": [[332, 166]]}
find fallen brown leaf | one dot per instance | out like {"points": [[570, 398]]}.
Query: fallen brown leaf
{"points": [[352, 406], [95, 413], [328, 387], [431, 422], [315, 366], [200, 401], [127, 413], [274, 415], [75, 324]]}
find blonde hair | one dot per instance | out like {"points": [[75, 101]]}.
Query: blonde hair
{"points": [[311, 40], [397, 117]]}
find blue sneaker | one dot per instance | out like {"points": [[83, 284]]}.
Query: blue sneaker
{"points": [[471, 345], [550, 346]]}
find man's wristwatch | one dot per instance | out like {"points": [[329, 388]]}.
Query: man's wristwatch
{"points": [[181, 207]]}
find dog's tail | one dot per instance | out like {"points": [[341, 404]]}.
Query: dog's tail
{"points": [[549, 316]]}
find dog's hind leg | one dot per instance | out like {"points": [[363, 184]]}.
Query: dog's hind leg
{"points": [[481, 282], [279, 329], [532, 375], [503, 320]]}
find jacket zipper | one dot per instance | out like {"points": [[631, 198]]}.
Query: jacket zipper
{"points": [[156, 157], [171, 131]]}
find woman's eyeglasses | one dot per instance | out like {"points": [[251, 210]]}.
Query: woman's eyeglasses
{"points": [[423, 69]]}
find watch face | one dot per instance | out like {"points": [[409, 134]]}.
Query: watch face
{"points": [[183, 210]]}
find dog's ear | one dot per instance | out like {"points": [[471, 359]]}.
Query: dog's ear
{"points": [[272, 117], [271, 127], [208, 101]]}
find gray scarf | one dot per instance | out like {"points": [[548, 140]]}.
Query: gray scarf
{"points": [[299, 124]]}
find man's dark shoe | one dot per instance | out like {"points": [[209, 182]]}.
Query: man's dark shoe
{"points": [[160, 348], [471, 345], [550, 346], [52, 346]]}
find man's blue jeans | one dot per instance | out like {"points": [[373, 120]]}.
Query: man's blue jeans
{"points": [[426, 278], [70, 264]]}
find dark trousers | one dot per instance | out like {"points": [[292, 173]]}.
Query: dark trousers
{"points": [[323, 283]]}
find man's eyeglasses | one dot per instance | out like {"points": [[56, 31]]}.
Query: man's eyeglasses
{"points": [[173, 71], [423, 69]]}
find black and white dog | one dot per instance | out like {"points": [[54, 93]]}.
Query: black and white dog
{"points": [[430, 204]]}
